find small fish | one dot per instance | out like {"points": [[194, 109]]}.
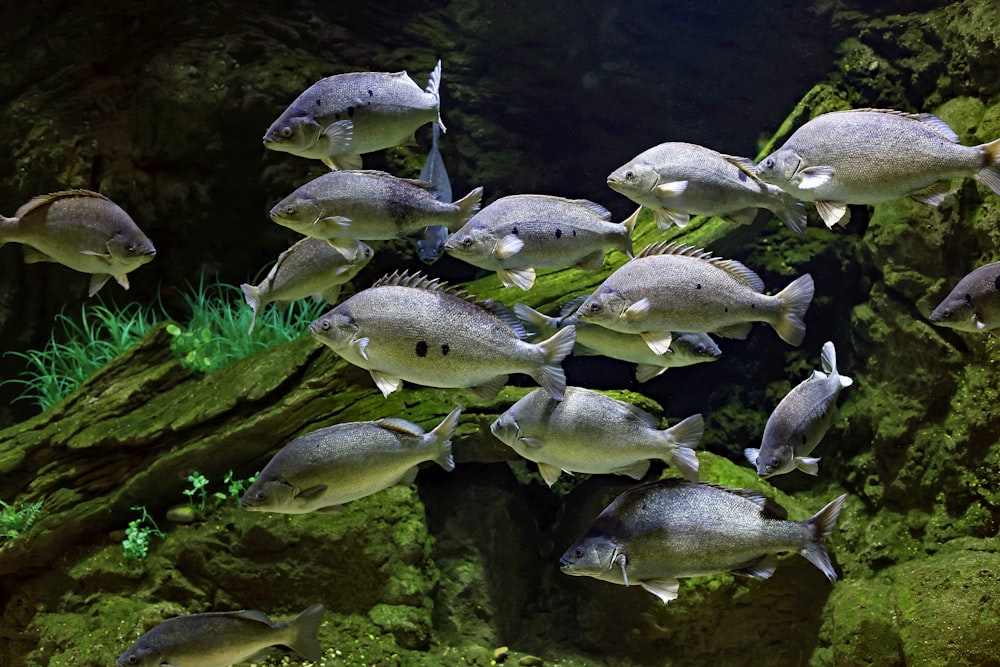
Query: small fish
{"points": [[686, 349], [672, 287], [974, 303], [658, 532], [342, 116], [592, 433], [220, 639], [410, 327], [341, 206], [517, 234], [431, 246], [337, 464], [800, 421], [311, 267], [80, 229], [677, 180], [867, 156]]}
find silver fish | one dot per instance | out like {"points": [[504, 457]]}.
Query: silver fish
{"points": [[80, 229], [659, 532], [867, 156], [974, 303], [311, 267], [368, 205], [431, 246], [342, 116], [686, 349], [409, 327], [800, 421], [220, 639], [672, 287], [677, 180], [337, 464], [592, 433], [517, 234]]}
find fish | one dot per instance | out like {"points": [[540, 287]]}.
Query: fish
{"points": [[519, 233], [83, 230], [686, 349], [220, 639], [431, 246], [592, 433], [414, 328], [974, 303], [868, 156], [659, 532], [340, 117], [676, 180], [342, 206], [340, 463], [673, 287], [800, 421], [311, 267]]}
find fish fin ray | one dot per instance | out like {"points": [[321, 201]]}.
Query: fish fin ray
{"points": [[795, 300], [685, 436], [636, 311], [832, 212], [400, 426], [989, 175], [665, 589], [646, 372], [549, 473], [550, 374], [739, 331], [306, 626], [815, 177], [443, 433], [488, 390], [385, 382], [635, 470], [821, 525], [657, 341], [468, 206], [761, 568], [97, 282], [807, 464], [593, 207], [933, 194], [665, 217], [508, 246]]}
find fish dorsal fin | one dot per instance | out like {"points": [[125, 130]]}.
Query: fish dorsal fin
{"points": [[593, 207], [638, 413], [45, 200], [400, 426], [250, 615], [572, 305], [744, 164], [930, 120], [505, 313], [730, 266], [418, 280], [423, 185], [768, 507]]}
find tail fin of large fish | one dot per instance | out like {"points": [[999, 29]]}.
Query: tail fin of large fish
{"points": [[468, 205], [252, 296], [304, 628], [550, 374], [822, 524], [795, 300], [442, 435], [684, 437], [434, 88], [989, 175]]}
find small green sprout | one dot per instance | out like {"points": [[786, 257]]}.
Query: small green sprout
{"points": [[199, 483], [138, 535], [15, 521], [237, 487]]}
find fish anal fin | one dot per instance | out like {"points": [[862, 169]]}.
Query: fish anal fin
{"points": [[665, 589], [762, 568], [386, 383], [549, 472], [488, 390], [832, 212]]}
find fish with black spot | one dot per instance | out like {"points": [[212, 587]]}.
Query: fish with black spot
{"points": [[974, 303], [413, 328]]}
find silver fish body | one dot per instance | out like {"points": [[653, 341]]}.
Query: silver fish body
{"points": [[337, 464], [368, 205], [431, 246], [671, 287], [800, 421], [520, 233], [686, 349], [409, 327], [676, 180], [219, 639], [310, 268], [659, 532], [589, 432], [867, 156], [83, 230], [342, 116], [974, 303]]}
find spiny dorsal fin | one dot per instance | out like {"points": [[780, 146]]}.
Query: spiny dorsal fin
{"points": [[930, 120], [44, 200], [730, 266]]}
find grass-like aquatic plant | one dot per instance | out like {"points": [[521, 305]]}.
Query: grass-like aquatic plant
{"points": [[215, 336], [16, 520]]}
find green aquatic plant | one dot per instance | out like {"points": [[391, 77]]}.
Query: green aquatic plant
{"points": [[138, 535], [199, 490], [237, 487], [16, 520]]}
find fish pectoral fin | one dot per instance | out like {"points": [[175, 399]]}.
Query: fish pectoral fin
{"points": [[385, 382], [360, 346], [106, 256], [658, 341], [550, 473], [97, 282], [121, 279], [811, 178], [333, 223], [635, 470], [832, 212], [508, 246], [488, 390], [311, 492], [978, 321], [752, 455], [523, 278], [665, 217], [808, 465], [400, 426], [338, 136], [762, 568], [530, 443], [670, 189], [739, 331], [665, 589], [636, 311]]}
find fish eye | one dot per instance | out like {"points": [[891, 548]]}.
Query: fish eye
{"points": [[286, 132], [629, 175], [595, 308], [466, 242], [578, 552], [290, 210], [325, 325], [769, 163], [132, 660]]}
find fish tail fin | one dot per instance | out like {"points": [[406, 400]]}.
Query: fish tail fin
{"points": [[7, 226], [304, 628], [829, 361], [795, 300], [434, 88], [685, 436], [533, 320], [821, 525], [792, 212], [989, 175], [629, 223], [468, 206], [443, 433], [252, 296], [554, 349]]}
